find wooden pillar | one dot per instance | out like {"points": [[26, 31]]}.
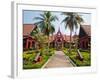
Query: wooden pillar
{"points": [[85, 44], [81, 44], [30, 44], [55, 44], [35, 45], [26, 44]]}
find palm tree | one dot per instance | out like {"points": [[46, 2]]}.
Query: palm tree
{"points": [[45, 23], [72, 21]]}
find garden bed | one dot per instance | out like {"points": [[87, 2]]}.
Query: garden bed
{"points": [[86, 57], [29, 56]]}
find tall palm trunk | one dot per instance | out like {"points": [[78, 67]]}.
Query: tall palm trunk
{"points": [[48, 37], [48, 42], [76, 42], [70, 41], [48, 45]]}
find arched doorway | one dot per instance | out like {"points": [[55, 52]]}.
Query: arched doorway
{"points": [[59, 44]]}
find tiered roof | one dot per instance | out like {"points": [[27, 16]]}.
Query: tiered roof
{"points": [[85, 30]]}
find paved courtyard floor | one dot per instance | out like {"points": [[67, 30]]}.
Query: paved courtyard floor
{"points": [[59, 60]]}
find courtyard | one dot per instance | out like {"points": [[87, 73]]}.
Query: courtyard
{"points": [[56, 40]]}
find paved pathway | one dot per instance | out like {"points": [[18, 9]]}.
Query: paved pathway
{"points": [[58, 60]]}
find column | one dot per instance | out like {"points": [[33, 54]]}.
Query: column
{"points": [[30, 44], [26, 44]]}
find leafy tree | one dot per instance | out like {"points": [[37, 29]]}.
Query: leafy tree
{"points": [[45, 23]]}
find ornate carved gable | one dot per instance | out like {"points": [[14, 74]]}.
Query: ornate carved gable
{"points": [[59, 36]]}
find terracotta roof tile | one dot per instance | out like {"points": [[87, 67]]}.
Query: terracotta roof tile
{"points": [[27, 28]]}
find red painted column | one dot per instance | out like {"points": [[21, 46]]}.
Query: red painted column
{"points": [[79, 44], [27, 44], [85, 43], [82, 44], [30, 44]]}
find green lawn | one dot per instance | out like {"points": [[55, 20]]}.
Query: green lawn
{"points": [[86, 57], [29, 56]]}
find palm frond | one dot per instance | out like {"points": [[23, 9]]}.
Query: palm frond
{"points": [[45, 22], [79, 19], [65, 19], [53, 18], [38, 18], [52, 30], [43, 16], [76, 24]]}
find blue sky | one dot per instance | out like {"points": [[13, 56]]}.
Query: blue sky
{"points": [[28, 18]]}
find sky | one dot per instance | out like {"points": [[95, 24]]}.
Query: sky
{"points": [[29, 15]]}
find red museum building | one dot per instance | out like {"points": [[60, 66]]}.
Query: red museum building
{"points": [[57, 40], [28, 41]]}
